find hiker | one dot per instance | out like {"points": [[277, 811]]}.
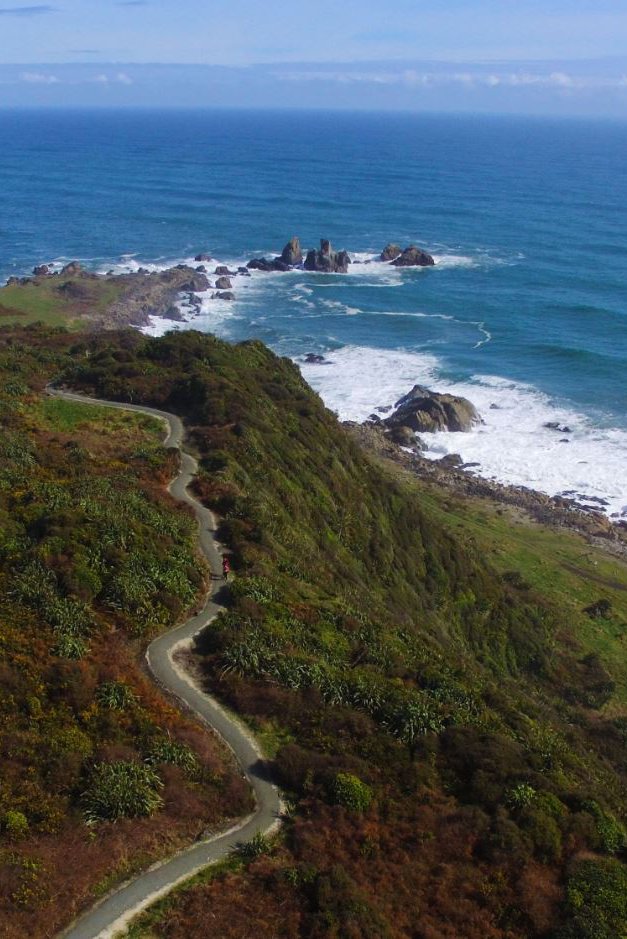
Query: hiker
{"points": [[226, 567]]}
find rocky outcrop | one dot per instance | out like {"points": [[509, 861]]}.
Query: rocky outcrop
{"points": [[71, 269], [391, 252], [223, 295], [414, 257], [223, 283], [292, 254], [314, 358], [405, 437], [146, 295], [223, 271], [42, 270], [425, 411], [326, 260], [201, 258], [263, 264]]}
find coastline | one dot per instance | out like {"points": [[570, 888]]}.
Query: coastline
{"points": [[552, 511], [156, 298]]}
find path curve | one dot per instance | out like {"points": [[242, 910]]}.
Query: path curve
{"points": [[112, 915]]}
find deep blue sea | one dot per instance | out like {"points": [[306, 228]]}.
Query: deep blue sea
{"points": [[525, 311]]}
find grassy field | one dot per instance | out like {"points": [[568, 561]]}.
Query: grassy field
{"points": [[56, 302], [560, 564]]}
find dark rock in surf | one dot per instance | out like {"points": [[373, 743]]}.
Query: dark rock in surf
{"points": [[223, 271], [414, 257], [451, 461], [391, 252], [223, 295], [223, 283], [314, 358], [326, 260], [426, 411], [42, 270], [292, 254], [203, 257], [261, 264], [403, 436]]}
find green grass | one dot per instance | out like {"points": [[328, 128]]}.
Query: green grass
{"points": [[67, 416], [560, 564], [44, 302]]}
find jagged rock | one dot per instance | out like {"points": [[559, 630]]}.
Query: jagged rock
{"points": [[261, 264], [223, 271], [403, 436], [413, 257], [203, 257], [555, 425], [223, 283], [292, 253], [13, 281], [391, 252], [155, 294], [428, 411], [201, 269], [314, 358], [42, 270], [223, 295], [71, 269], [243, 271], [326, 260], [451, 461], [374, 418], [173, 313]]}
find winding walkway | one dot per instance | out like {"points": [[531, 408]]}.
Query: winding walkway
{"points": [[112, 915]]}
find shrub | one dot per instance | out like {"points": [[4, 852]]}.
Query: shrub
{"points": [[121, 790], [351, 792], [596, 901], [170, 751], [257, 845], [612, 834], [15, 825], [520, 796], [115, 696], [600, 609]]}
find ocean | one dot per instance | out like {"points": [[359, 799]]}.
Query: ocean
{"points": [[525, 311]]}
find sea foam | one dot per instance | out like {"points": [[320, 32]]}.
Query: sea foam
{"points": [[512, 446]]}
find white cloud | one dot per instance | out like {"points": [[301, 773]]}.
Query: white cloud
{"points": [[38, 78], [558, 80], [121, 78]]}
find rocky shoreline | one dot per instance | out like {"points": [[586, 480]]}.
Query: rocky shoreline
{"points": [[450, 476], [143, 294], [135, 298]]}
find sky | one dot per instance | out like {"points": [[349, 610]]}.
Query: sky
{"points": [[515, 56]]}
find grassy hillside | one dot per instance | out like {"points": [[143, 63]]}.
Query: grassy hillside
{"points": [[94, 559], [60, 301], [441, 688]]}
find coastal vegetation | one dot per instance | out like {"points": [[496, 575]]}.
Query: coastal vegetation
{"points": [[440, 683], [99, 775], [448, 723]]}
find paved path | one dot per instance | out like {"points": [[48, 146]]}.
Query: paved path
{"points": [[111, 916]]}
